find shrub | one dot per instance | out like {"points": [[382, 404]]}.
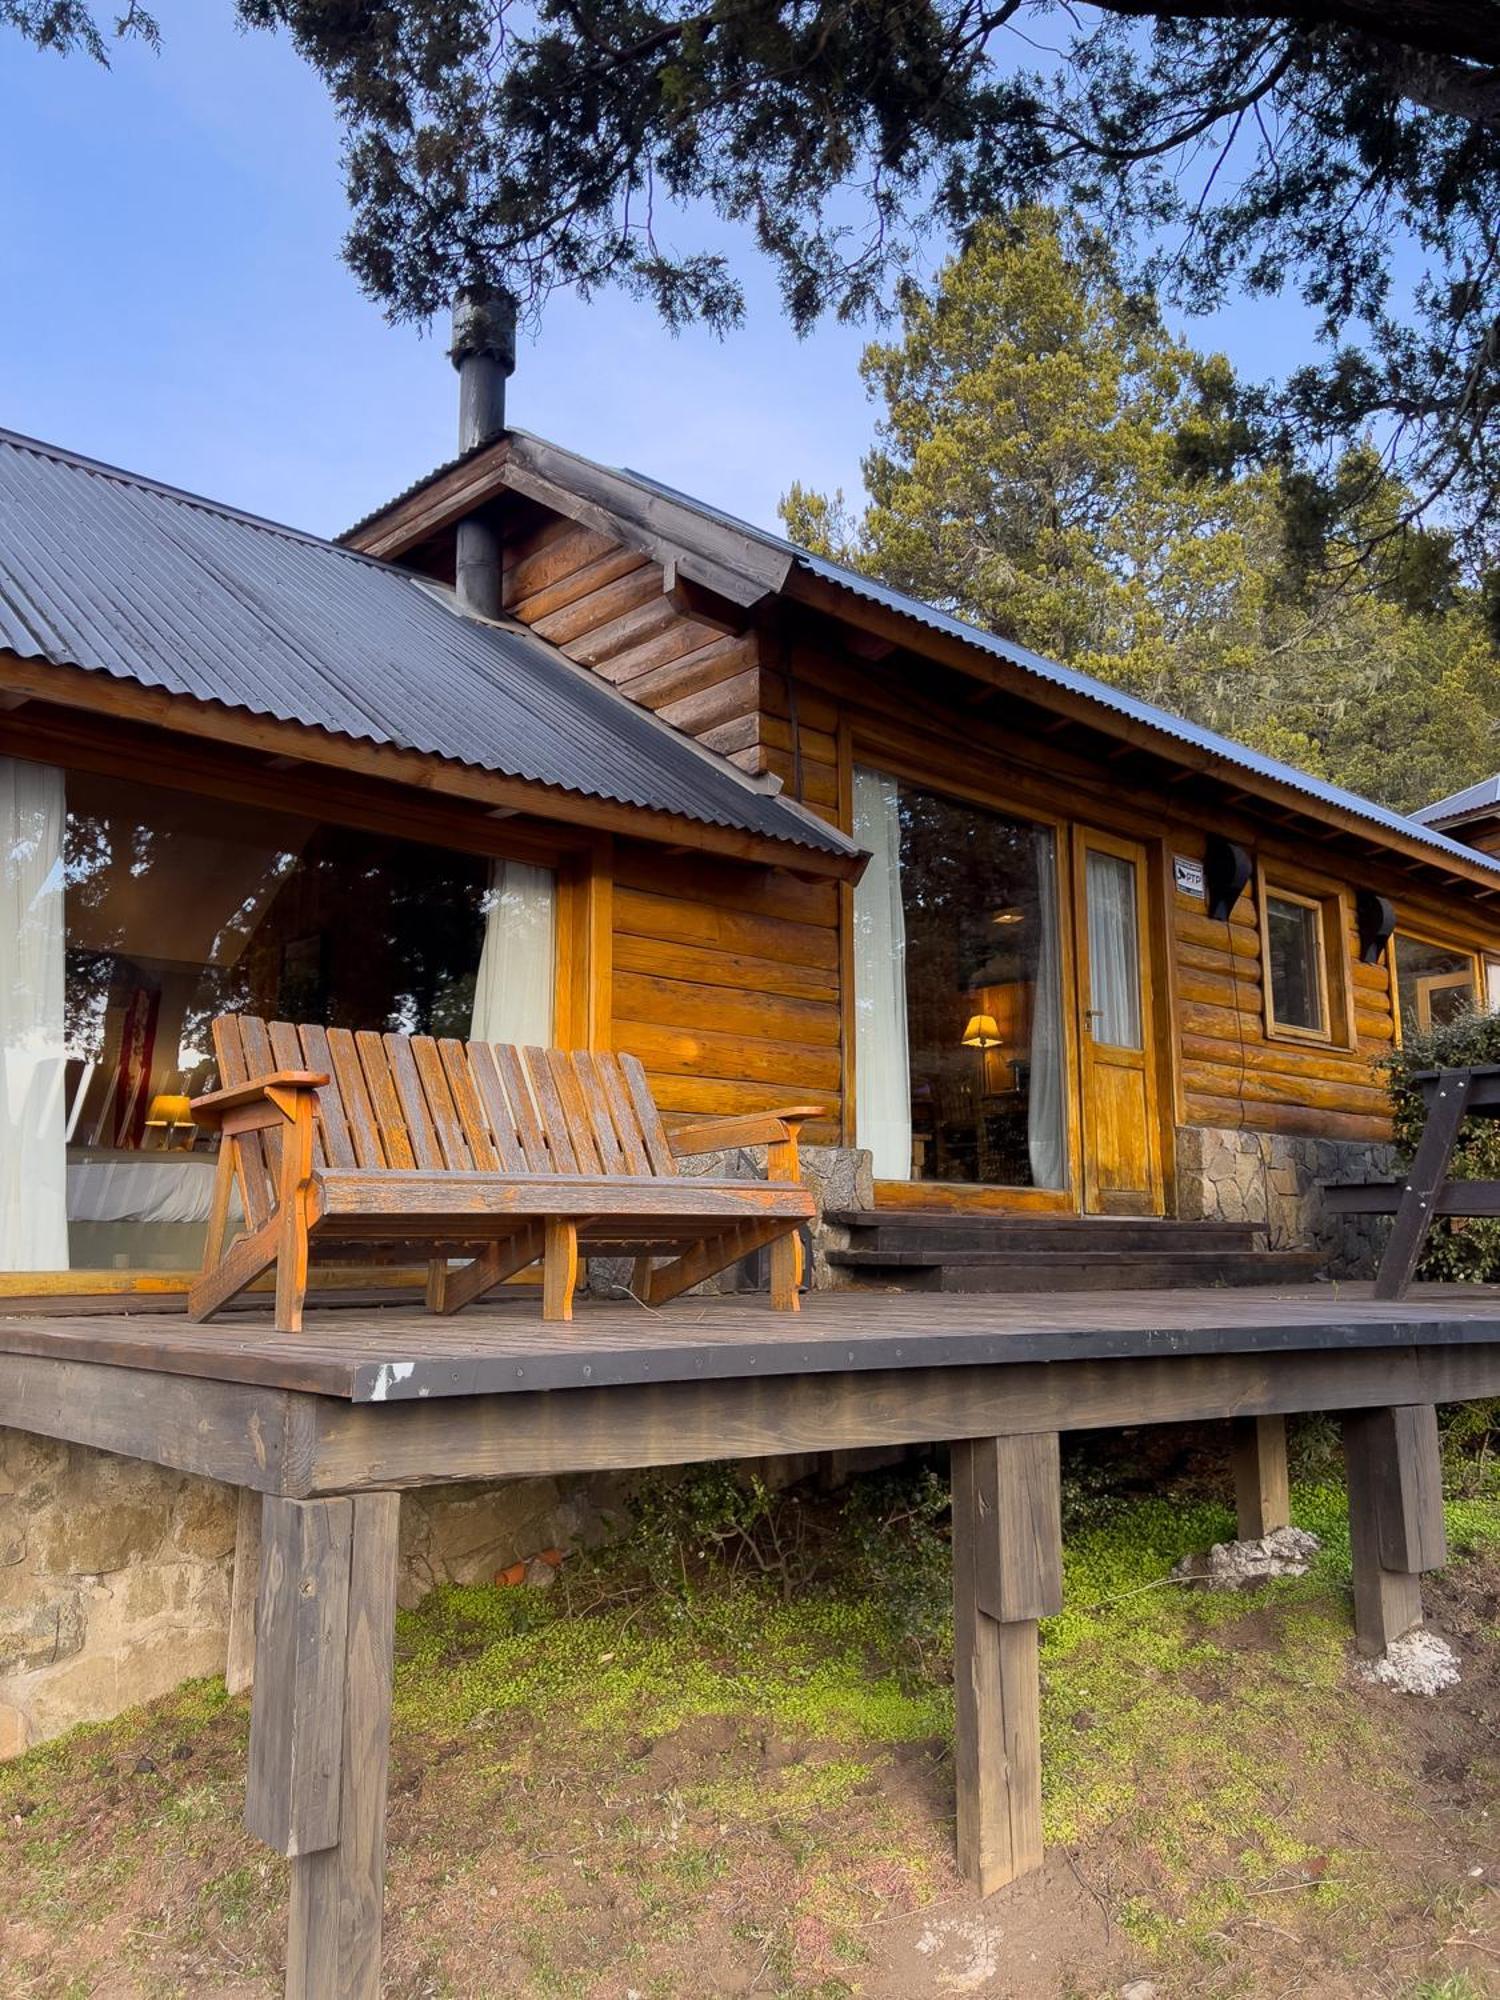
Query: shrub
{"points": [[1457, 1249]]}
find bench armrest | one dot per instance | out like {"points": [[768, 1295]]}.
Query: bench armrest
{"points": [[279, 1087], [777, 1130]]}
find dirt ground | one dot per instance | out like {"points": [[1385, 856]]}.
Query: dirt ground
{"points": [[1231, 1812]]}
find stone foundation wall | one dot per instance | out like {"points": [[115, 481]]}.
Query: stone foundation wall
{"points": [[1272, 1180], [114, 1574]]}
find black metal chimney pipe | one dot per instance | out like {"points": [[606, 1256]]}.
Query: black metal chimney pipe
{"points": [[484, 353]]}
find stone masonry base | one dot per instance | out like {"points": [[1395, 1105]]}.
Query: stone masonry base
{"points": [[1272, 1180], [114, 1574]]}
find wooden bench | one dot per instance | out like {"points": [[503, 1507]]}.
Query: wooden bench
{"points": [[1426, 1192], [386, 1146]]}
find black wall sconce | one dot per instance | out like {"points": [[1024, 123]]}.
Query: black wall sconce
{"points": [[1376, 917], [1226, 870]]}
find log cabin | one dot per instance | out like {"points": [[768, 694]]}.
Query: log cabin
{"points": [[546, 751]]}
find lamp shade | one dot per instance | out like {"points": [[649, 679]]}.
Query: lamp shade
{"points": [[167, 1110], [983, 1032]]}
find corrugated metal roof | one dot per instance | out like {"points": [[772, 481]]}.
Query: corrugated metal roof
{"points": [[104, 570], [1173, 729], [1459, 805]]}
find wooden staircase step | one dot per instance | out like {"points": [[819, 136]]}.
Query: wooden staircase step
{"points": [[1075, 1270]]}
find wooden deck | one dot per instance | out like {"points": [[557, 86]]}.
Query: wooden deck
{"points": [[378, 1353], [330, 1425]]}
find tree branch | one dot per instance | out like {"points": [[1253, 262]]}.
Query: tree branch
{"points": [[1465, 30]]}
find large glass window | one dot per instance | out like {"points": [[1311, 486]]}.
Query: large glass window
{"points": [[134, 914], [1434, 983], [958, 991]]}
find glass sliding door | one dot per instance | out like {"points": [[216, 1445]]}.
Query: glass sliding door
{"points": [[133, 915], [958, 992]]}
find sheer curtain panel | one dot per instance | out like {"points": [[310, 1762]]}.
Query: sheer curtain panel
{"points": [[33, 1153], [513, 988], [882, 1084], [1046, 1122]]}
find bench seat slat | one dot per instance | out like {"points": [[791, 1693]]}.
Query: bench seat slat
{"points": [[392, 1195]]}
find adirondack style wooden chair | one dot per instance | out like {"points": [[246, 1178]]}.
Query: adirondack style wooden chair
{"points": [[390, 1146]]}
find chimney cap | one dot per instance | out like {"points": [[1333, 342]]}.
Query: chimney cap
{"points": [[484, 324]]}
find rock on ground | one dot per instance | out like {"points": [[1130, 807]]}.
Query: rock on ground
{"points": [[1236, 1565], [1419, 1662]]}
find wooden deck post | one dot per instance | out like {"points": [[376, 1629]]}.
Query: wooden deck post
{"points": [[1395, 1517], [1007, 1573], [320, 1730], [1262, 1491], [244, 1589]]}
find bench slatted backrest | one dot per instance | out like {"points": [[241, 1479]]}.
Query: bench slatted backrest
{"points": [[442, 1105]]}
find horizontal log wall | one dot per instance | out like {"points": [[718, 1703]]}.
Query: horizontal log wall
{"points": [[728, 981], [607, 607], [726, 984]]}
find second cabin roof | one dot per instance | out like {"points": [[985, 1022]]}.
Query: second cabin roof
{"points": [[739, 559]]}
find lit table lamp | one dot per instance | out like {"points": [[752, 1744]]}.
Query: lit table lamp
{"points": [[165, 1114], [983, 1032]]}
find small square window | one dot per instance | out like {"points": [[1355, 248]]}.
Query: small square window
{"points": [[1295, 965]]}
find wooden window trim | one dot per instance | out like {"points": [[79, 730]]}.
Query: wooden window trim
{"points": [[1296, 1031], [582, 984], [1475, 956], [1330, 904]]}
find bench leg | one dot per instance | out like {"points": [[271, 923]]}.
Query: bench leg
{"points": [[656, 1283], [449, 1291], [786, 1272], [320, 1731], [1424, 1181], [1262, 1491], [1007, 1573], [1396, 1531], [559, 1268]]}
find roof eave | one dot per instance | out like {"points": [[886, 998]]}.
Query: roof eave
{"points": [[822, 594], [93, 690]]}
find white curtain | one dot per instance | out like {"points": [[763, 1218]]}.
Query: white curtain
{"points": [[1114, 947], [514, 987], [882, 1086], [1046, 1133], [33, 1153]]}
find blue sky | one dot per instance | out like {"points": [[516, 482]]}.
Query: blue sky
{"points": [[174, 302]]}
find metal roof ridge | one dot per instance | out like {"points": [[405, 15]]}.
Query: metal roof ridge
{"points": [[1167, 723]]}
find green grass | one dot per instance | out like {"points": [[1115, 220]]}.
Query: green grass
{"points": [[1192, 1733]]}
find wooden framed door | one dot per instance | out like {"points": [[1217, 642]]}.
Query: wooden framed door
{"points": [[1117, 1071]]}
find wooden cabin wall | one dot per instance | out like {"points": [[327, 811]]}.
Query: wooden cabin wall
{"points": [[1223, 1069], [726, 983], [608, 608], [728, 980]]}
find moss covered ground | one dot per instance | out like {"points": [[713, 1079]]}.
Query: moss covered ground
{"points": [[715, 1760]]}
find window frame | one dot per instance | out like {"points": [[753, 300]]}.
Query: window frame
{"points": [[1330, 905], [1478, 973]]}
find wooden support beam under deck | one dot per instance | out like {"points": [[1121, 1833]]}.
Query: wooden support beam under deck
{"points": [[1262, 1490], [1396, 1528], [320, 1730], [1007, 1574]]}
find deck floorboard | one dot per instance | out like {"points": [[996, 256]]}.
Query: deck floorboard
{"points": [[390, 1353]]}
